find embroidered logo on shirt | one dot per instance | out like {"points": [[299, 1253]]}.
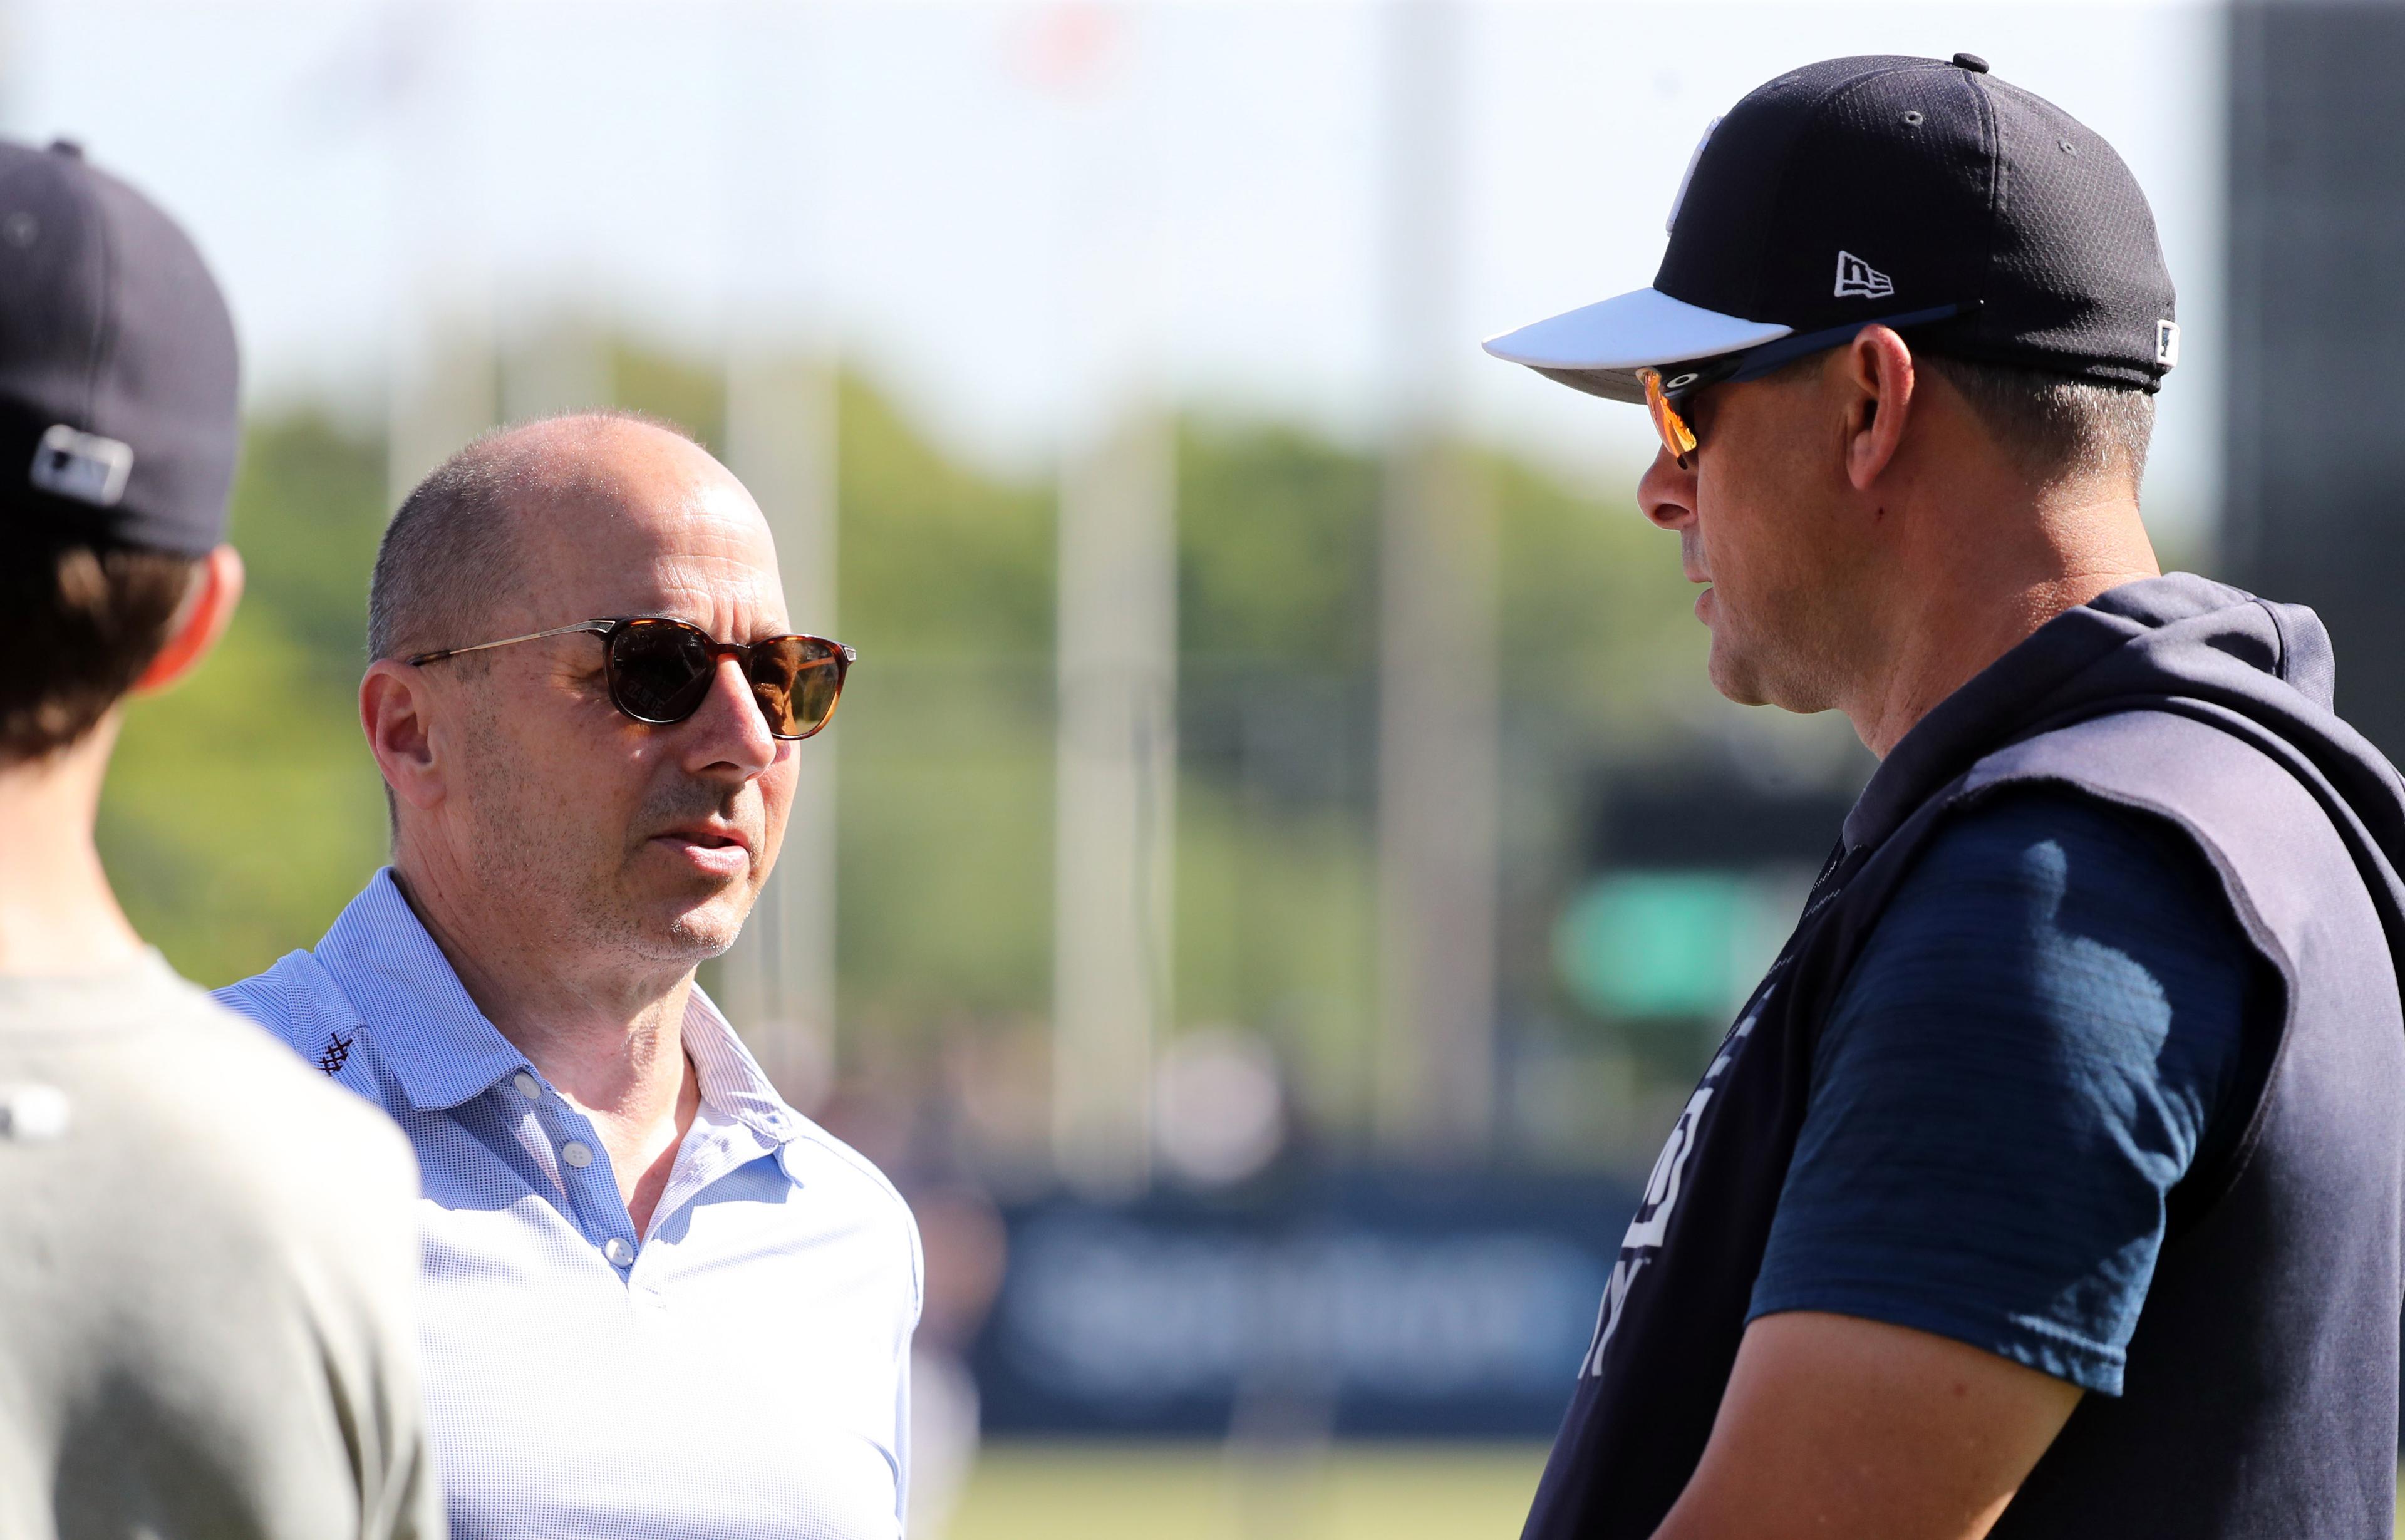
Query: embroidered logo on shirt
{"points": [[338, 1049]]}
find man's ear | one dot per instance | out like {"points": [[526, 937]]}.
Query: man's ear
{"points": [[396, 711], [1876, 369], [216, 588]]}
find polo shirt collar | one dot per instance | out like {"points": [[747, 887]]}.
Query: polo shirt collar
{"points": [[732, 1082], [435, 1044], [442, 1051]]}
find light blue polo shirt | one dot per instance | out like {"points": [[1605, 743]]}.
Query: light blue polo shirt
{"points": [[742, 1371]]}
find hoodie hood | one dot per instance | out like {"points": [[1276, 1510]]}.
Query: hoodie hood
{"points": [[2261, 671]]}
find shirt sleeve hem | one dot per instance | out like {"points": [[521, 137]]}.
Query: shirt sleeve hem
{"points": [[2085, 1365]]}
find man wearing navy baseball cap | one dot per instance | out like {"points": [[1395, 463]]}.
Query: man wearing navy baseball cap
{"points": [[2049, 1183], [207, 1254]]}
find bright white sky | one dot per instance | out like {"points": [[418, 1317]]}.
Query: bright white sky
{"points": [[996, 206]]}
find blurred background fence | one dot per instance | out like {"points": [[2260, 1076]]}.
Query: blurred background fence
{"points": [[1279, 866]]}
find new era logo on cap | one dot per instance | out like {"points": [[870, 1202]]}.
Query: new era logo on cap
{"points": [[1858, 280]]}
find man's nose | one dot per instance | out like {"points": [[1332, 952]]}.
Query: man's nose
{"points": [[729, 728], [1667, 493]]}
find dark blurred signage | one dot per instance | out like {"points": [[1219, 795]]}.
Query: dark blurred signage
{"points": [[1699, 816], [1401, 1304]]}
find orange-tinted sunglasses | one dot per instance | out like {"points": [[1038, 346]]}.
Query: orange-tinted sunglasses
{"points": [[1665, 399], [1677, 437]]}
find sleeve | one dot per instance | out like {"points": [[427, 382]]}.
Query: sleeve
{"points": [[2026, 1057]]}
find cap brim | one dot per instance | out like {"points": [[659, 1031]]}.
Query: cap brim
{"points": [[1598, 348]]}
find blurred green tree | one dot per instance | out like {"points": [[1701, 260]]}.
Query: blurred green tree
{"points": [[241, 808]]}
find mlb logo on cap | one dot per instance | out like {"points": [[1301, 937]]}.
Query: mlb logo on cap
{"points": [[82, 466]]}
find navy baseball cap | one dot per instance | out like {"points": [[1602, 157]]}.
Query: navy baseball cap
{"points": [[119, 377], [1913, 192]]}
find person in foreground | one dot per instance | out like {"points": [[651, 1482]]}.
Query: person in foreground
{"points": [[660, 1302], [206, 1258], [2050, 1183]]}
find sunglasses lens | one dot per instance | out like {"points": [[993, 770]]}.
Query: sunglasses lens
{"points": [[1677, 437], [659, 670], [796, 681]]}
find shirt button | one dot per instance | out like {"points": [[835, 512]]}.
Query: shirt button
{"points": [[618, 1251], [529, 1087], [577, 1153]]}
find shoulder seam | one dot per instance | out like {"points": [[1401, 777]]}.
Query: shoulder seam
{"points": [[820, 1139], [853, 1158]]}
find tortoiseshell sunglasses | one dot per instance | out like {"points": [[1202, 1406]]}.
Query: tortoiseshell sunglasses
{"points": [[659, 670]]}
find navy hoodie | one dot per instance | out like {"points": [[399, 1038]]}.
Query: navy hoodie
{"points": [[2260, 1394]]}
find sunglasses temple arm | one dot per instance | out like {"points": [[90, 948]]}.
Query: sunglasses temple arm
{"points": [[597, 628]]}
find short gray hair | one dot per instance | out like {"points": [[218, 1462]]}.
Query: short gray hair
{"points": [[449, 556], [2056, 427]]}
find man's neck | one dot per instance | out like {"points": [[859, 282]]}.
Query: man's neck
{"points": [[58, 916], [611, 1042], [1977, 599]]}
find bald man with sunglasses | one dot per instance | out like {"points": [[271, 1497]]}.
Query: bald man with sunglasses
{"points": [[659, 1302]]}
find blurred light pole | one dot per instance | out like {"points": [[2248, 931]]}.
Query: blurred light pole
{"points": [[778, 983], [1437, 718], [1115, 789], [1116, 748]]}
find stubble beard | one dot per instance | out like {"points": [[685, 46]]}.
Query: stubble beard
{"points": [[583, 888], [698, 917]]}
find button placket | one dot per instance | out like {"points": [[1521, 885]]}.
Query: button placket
{"points": [[623, 1254], [520, 1103], [561, 1140], [592, 1192]]}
